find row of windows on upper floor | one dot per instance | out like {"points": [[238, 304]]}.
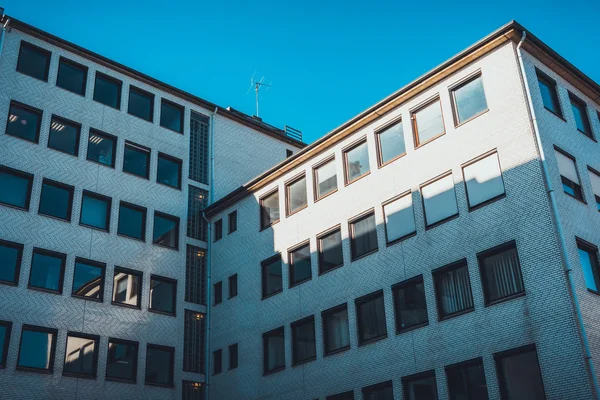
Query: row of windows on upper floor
{"points": [[570, 178], [56, 201], [24, 122], [72, 76]]}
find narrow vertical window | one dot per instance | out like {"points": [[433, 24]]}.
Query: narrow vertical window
{"points": [[421, 386], [102, 148], [166, 230], [37, 349], [81, 355], [5, 330], [483, 180], [34, 61], [136, 160], [24, 122], [95, 211], [193, 342], [199, 149], [453, 289], [218, 230], [107, 90], [588, 258], [273, 351], [580, 114], [468, 99], [160, 365], [163, 295], [568, 174], [271, 276], [71, 76], [330, 250], [325, 179], [88, 280], [501, 272], [300, 267], [197, 201], [428, 123], [232, 222], [217, 361], [64, 135], [16, 188], [409, 304], [194, 275], [303, 341], [390, 142], [439, 200], [356, 161], [121, 361], [295, 195], [336, 333], [56, 200], [11, 255], [233, 356], [47, 271], [169, 171], [595, 179], [549, 93], [127, 287], [233, 286], [370, 317], [380, 391], [192, 390], [141, 104], [399, 218], [269, 209], [519, 374], [363, 236], [171, 116], [218, 292], [467, 381], [132, 221]]}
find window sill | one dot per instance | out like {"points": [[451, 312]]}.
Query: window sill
{"points": [[429, 140], [170, 186], [36, 141], [70, 91], [116, 303], [456, 314], [34, 77], [15, 207], [89, 298], [94, 227], [485, 203], [164, 385], [348, 183], [131, 237], [10, 283], [168, 314], [44, 290], [272, 294], [119, 380], [79, 376], [411, 328], [443, 221], [299, 363], [555, 114], [325, 195], [372, 340], [507, 298], [330, 269], [35, 370], [55, 217], [388, 162], [118, 108], [293, 285], [146, 178], [479, 114], [100, 163], [263, 228], [337, 351], [296, 211], [151, 120], [400, 239], [273, 371], [365, 255], [169, 129], [76, 155]]}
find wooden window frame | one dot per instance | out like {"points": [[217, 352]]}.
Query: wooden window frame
{"points": [[291, 250], [261, 201], [263, 265], [475, 161], [459, 85], [362, 216], [432, 180], [415, 123], [315, 174], [323, 235], [377, 133], [288, 195], [352, 146], [388, 202]]}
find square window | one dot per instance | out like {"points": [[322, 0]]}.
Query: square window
{"points": [[5, 329], [336, 334], [271, 276], [370, 318], [568, 174], [453, 289], [588, 258], [102, 148], [304, 347], [439, 200], [399, 218], [121, 361], [24, 122], [11, 255], [217, 361], [166, 230], [132, 221], [273, 351], [356, 162], [71, 76], [16, 188], [269, 209], [141, 104], [295, 192], [233, 356], [171, 116], [519, 374], [81, 355], [325, 179], [233, 286], [349, 395], [300, 268], [163, 295], [363, 236], [64, 135], [47, 271], [467, 381], [107, 90], [409, 304], [218, 229], [483, 180], [390, 142], [95, 211], [136, 160], [330, 250], [88, 280], [127, 288], [56, 200], [232, 225], [581, 116], [380, 391], [428, 123], [468, 99], [34, 61], [169, 171], [501, 272], [422, 386], [37, 349], [595, 180], [549, 93], [218, 289], [160, 364]]}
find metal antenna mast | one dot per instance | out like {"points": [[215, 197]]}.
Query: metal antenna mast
{"points": [[257, 84]]}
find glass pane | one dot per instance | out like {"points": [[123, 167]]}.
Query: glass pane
{"points": [[15, 189], [171, 116], [159, 366], [10, 259], [80, 355], [101, 149], [467, 383], [36, 349], [136, 161], [548, 93], [270, 209], [580, 115], [275, 352], [421, 389], [126, 288], [399, 218], [33, 62], [71, 78], [140, 104], [169, 171], [166, 231], [429, 122], [297, 195], [132, 222], [364, 236], [331, 253], [326, 179], [567, 167], [371, 319], [272, 281], [380, 393], [304, 341], [95, 212], [589, 264], [87, 280], [300, 262], [502, 274], [470, 99], [338, 335], [439, 200], [484, 180], [521, 377], [107, 92], [161, 296], [453, 289], [411, 308], [56, 201], [3, 340], [46, 271], [23, 123], [64, 136], [121, 361], [357, 162], [391, 142]]}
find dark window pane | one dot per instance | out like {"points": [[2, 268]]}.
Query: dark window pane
{"points": [[141, 104], [274, 350], [233, 289], [410, 305], [330, 251], [64, 136], [192, 390], [56, 200], [127, 287], [218, 289], [95, 211], [136, 160], [271, 276], [303, 337], [171, 116], [24, 122], [169, 171], [162, 295], [371, 318], [296, 192], [217, 361], [269, 209], [5, 329], [101, 148], [380, 391], [218, 229], [391, 143], [467, 382], [132, 221], [233, 356], [326, 179], [16, 188], [199, 148], [33, 61], [453, 289], [107, 91], [469, 99], [197, 201], [71, 76], [588, 257], [166, 231], [121, 362], [341, 396], [81, 355], [580, 114], [88, 279], [420, 387], [520, 377], [501, 273], [194, 275], [335, 329], [428, 123], [363, 236], [232, 222], [159, 365], [37, 348], [47, 270], [193, 342], [11, 255], [356, 162], [300, 269], [549, 94]]}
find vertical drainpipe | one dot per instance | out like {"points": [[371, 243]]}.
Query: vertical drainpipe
{"points": [[559, 229]]}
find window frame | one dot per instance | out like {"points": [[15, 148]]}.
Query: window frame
{"points": [[323, 235], [30, 109], [218, 225], [591, 249], [597, 173], [361, 301], [415, 127], [429, 182], [218, 352], [229, 353], [217, 289], [127, 271], [265, 337], [582, 105], [61, 277], [108, 213], [263, 265], [39, 49], [174, 160], [315, 176], [367, 390], [352, 146], [499, 356], [482, 255], [110, 79], [37, 328], [144, 211], [170, 281], [402, 285], [551, 83], [461, 365], [93, 263], [305, 243], [474, 161], [438, 301], [324, 315], [66, 122], [25, 175], [177, 225], [140, 148], [417, 377], [19, 247], [60, 185], [261, 209], [181, 118], [96, 340], [136, 346], [105, 135], [390, 201], [287, 186], [232, 278], [379, 150], [459, 85], [145, 93], [358, 218], [4, 358], [75, 65], [232, 222], [295, 324], [570, 183], [171, 383]]}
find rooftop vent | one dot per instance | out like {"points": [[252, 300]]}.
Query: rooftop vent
{"points": [[293, 133]]}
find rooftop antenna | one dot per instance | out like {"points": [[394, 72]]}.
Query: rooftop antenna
{"points": [[257, 84]]}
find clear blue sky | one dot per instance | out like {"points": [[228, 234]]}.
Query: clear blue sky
{"points": [[328, 60]]}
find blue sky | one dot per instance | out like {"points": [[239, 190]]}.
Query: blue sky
{"points": [[328, 60]]}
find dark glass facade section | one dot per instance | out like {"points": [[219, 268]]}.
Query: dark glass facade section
{"points": [[102, 148], [132, 221], [136, 160], [304, 347], [271, 276], [37, 349], [193, 342], [127, 287], [409, 304], [16, 188], [300, 267], [233, 286], [71, 76], [95, 211], [519, 374], [370, 317], [466, 381], [141, 104], [196, 224], [421, 386], [336, 333], [163, 293], [194, 275], [330, 251], [122, 360], [501, 272], [166, 230], [81, 355], [273, 351], [453, 289], [232, 222], [24, 122], [160, 363], [233, 356], [269, 209], [218, 292], [199, 148], [56, 200], [107, 90], [11, 255], [47, 270], [169, 171], [217, 361], [34, 61], [380, 391], [363, 236], [171, 116], [64, 135], [88, 280], [5, 330]]}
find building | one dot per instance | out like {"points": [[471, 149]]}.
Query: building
{"points": [[442, 243], [104, 173]]}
